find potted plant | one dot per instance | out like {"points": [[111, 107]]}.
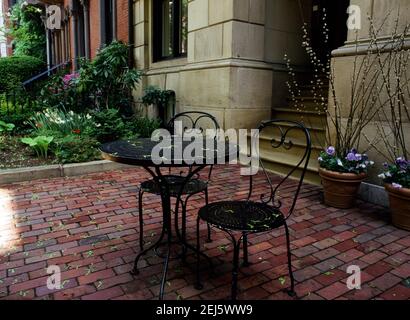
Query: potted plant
{"points": [[342, 176], [396, 177], [342, 167], [393, 125], [158, 102]]}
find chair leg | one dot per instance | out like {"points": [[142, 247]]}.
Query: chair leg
{"points": [[184, 204], [209, 239], [290, 291], [245, 251], [198, 285], [141, 220], [235, 270]]}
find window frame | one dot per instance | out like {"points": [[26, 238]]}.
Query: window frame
{"points": [[157, 23]]}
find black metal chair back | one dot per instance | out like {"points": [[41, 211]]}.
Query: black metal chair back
{"points": [[287, 135], [195, 120]]}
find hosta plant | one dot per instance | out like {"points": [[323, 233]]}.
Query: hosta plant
{"points": [[39, 144]]}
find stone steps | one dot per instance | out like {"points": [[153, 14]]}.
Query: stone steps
{"points": [[313, 116]]}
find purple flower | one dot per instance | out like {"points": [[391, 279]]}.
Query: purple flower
{"points": [[386, 165], [331, 151], [359, 157], [402, 163], [351, 157], [397, 186], [354, 151]]}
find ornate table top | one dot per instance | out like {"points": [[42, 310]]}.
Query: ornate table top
{"points": [[139, 152]]}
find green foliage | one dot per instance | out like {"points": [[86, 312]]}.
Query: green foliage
{"points": [[39, 144], [108, 126], [397, 174], [20, 120], [154, 95], [60, 91], [76, 149], [27, 31], [6, 127], [61, 121], [15, 70], [108, 80], [142, 127]]}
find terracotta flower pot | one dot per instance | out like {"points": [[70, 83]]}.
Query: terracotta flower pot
{"points": [[399, 206], [340, 189]]}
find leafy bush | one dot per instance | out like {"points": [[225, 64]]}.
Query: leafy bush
{"points": [[60, 91], [108, 80], [15, 70], [20, 120], [108, 126], [154, 95], [6, 127], [353, 162], [397, 174], [142, 127], [39, 144], [76, 149], [27, 30]]}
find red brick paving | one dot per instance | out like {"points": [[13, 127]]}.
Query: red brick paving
{"points": [[89, 227]]}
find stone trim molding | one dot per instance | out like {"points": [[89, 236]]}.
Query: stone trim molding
{"points": [[8, 176]]}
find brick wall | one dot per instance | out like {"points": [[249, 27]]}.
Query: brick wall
{"points": [[122, 20], [95, 35], [95, 19]]}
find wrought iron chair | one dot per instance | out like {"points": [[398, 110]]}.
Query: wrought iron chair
{"points": [[249, 217], [191, 121]]}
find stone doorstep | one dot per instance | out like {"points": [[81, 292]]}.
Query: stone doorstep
{"points": [[55, 171]]}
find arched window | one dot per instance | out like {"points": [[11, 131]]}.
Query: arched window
{"points": [[170, 27]]}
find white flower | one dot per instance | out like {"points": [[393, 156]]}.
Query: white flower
{"points": [[382, 176], [339, 163]]}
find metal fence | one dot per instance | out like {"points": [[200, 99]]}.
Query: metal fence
{"points": [[25, 97]]}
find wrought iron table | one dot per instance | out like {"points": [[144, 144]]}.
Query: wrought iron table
{"points": [[138, 152]]}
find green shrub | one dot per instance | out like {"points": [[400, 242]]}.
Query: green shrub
{"points": [[142, 127], [27, 30], [6, 127], [154, 95], [108, 80], [15, 70], [108, 126], [76, 149], [20, 120]]}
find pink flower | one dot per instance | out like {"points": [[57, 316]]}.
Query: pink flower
{"points": [[68, 78], [397, 186]]}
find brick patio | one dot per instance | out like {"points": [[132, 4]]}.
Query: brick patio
{"points": [[88, 226]]}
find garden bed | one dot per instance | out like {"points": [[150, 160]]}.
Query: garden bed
{"points": [[15, 154]]}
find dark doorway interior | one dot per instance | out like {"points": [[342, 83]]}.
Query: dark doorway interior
{"points": [[336, 12]]}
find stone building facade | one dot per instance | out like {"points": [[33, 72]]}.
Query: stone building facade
{"points": [[234, 66]]}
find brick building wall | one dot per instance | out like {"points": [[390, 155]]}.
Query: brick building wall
{"points": [[95, 41], [122, 20], [95, 34]]}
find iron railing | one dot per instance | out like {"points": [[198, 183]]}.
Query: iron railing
{"points": [[25, 97]]}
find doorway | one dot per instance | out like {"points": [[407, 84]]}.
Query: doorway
{"points": [[334, 13]]}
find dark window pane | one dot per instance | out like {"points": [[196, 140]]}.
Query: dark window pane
{"points": [[167, 23], [170, 27]]}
